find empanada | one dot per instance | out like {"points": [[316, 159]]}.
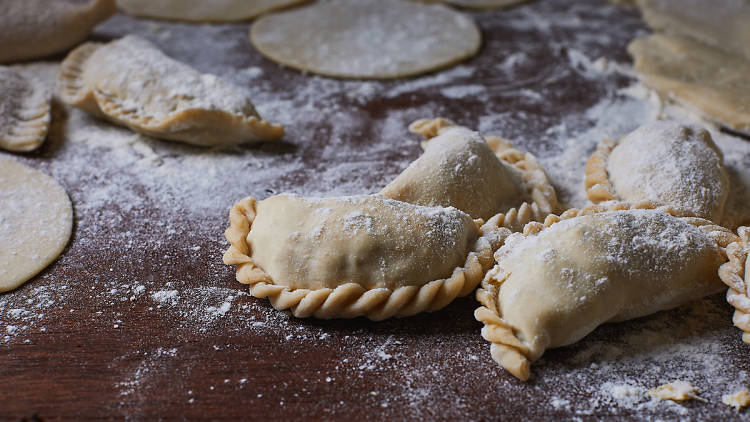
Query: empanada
{"points": [[558, 280], [362, 255], [481, 177], [130, 82], [204, 10], [31, 29], [736, 275], [664, 162], [24, 111]]}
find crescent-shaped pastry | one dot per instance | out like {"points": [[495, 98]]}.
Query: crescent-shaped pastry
{"points": [[131, 82], [736, 275], [482, 177], [357, 256], [30, 29], [24, 111], [558, 280], [664, 162]]}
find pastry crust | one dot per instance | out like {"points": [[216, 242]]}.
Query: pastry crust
{"points": [[735, 274], [480, 176], [597, 279], [665, 162], [204, 11], [132, 83], [327, 297], [24, 111]]}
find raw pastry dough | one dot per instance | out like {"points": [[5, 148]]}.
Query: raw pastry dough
{"points": [[483, 4], [31, 29], [367, 38], [204, 10], [558, 281], [738, 400], [35, 222], [24, 111], [676, 391], [664, 162], [736, 275], [714, 83], [459, 169], [131, 82], [362, 255]]}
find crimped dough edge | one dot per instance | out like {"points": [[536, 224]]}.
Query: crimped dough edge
{"points": [[27, 134], [351, 300], [537, 185], [598, 186], [509, 351], [734, 275]]}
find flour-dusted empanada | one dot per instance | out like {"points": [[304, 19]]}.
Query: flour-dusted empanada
{"points": [[736, 275], [664, 162], [481, 177], [130, 82], [31, 29], [204, 10], [362, 255], [24, 111], [557, 281]]}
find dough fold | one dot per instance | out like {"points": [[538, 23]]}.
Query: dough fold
{"points": [[24, 111], [736, 275]]}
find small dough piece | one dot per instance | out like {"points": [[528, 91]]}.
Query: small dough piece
{"points": [[676, 391], [36, 219], [736, 275], [705, 79], [24, 111], [131, 82], [459, 168], [738, 400], [204, 10], [664, 162], [558, 281], [374, 39], [362, 255], [31, 29]]}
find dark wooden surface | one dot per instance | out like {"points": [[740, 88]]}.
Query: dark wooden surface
{"points": [[84, 342]]}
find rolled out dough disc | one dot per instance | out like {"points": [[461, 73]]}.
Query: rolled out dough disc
{"points": [[371, 39], [36, 219], [204, 10]]}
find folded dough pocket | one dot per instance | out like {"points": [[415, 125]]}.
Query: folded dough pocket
{"points": [[459, 168], [357, 256], [24, 111], [130, 82], [556, 282]]}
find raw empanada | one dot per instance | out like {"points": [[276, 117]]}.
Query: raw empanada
{"points": [[204, 10], [31, 29], [556, 282], [131, 82], [736, 275], [24, 111], [664, 162], [481, 177], [362, 255]]}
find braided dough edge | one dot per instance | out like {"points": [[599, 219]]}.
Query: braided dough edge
{"points": [[736, 275], [506, 349], [598, 186], [351, 300]]}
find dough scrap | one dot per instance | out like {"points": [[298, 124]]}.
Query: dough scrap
{"points": [[24, 111], [459, 168], [32, 29], [204, 11], [558, 281], [706, 79], [664, 162], [36, 219], [735, 274], [131, 82], [374, 39], [738, 400], [357, 256], [676, 391]]}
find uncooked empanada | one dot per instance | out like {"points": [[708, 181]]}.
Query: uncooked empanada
{"points": [[736, 275], [130, 82], [362, 255], [556, 282], [664, 162], [481, 177], [31, 29], [24, 111], [204, 10]]}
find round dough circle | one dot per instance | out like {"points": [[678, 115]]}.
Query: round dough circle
{"points": [[204, 10], [371, 39], [36, 219]]}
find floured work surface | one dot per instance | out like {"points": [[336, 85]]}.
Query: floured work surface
{"points": [[140, 319]]}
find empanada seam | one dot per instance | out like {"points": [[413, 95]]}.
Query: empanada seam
{"points": [[599, 187], [71, 87], [24, 133], [733, 274]]}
